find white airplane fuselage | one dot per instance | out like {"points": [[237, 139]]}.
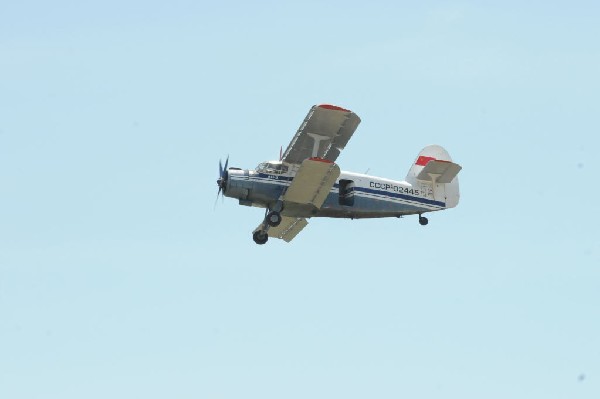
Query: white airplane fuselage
{"points": [[353, 195]]}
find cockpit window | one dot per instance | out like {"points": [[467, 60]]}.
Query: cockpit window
{"points": [[261, 167], [272, 168]]}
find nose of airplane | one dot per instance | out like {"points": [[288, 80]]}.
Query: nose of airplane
{"points": [[223, 176], [222, 183]]}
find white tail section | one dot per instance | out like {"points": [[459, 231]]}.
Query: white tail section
{"points": [[434, 172]]}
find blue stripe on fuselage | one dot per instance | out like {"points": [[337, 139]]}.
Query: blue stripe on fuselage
{"points": [[274, 178], [398, 195]]}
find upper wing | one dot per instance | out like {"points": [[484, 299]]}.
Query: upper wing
{"points": [[323, 134]]}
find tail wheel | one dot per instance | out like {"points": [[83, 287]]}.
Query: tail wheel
{"points": [[423, 220], [274, 218], [260, 237]]}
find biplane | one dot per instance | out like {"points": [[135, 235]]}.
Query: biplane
{"points": [[306, 182]]}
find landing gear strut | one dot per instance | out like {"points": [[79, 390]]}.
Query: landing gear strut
{"points": [[260, 237], [423, 220], [272, 219]]}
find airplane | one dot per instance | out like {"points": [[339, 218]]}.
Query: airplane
{"points": [[306, 182]]}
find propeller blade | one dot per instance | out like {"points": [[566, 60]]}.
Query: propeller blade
{"points": [[217, 199], [226, 164], [222, 180]]}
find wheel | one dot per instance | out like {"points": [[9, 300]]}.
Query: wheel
{"points": [[260, 237], [274, 218], [423, 220]]}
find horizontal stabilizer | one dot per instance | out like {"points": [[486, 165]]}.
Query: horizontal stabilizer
{"points": [[440, 171]]}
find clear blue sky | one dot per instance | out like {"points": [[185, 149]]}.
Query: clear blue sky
{"points": [[119, 279]]}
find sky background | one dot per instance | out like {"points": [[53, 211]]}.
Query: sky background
{"points": [[119, 278]]}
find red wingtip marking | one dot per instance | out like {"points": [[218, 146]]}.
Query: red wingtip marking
{"points": [[333, 107], [423, 160], [320, 160]]}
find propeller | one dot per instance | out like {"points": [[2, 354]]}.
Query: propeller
{"points": [[223, 176]]}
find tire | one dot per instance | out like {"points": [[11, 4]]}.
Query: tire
{"points": [[274, 219], [260, 237], [423, 220]]}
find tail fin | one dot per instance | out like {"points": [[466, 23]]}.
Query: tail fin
{"points": [[435, 173]]}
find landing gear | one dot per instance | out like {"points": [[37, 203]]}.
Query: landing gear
{"points": [[260, 237], [273, 218], [423, 220]]}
